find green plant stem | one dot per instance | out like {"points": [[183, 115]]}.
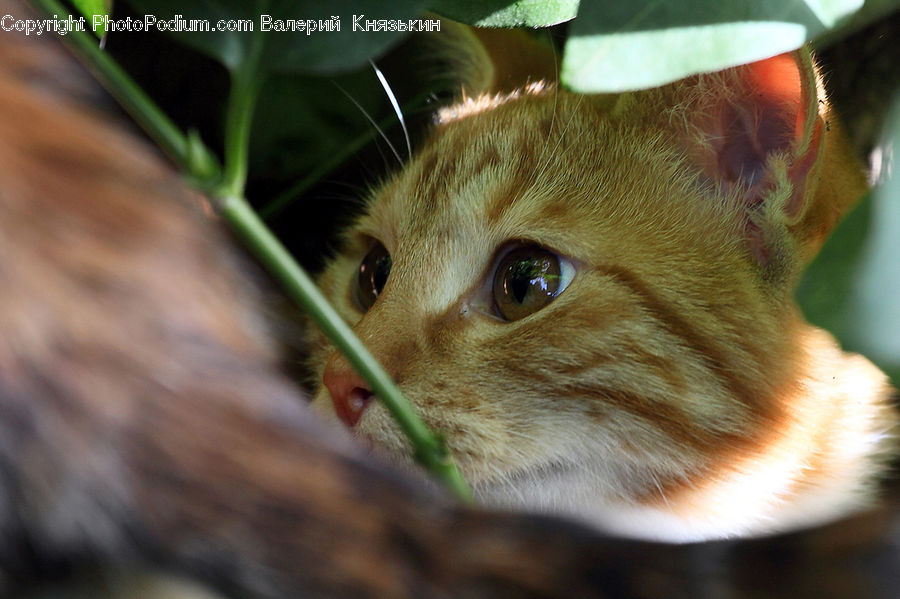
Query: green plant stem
{"points": [[246, 79], [201, 165], [193, 157], [429, 450]]}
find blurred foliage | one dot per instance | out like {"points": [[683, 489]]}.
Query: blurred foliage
{"points": [[853, 286], [314, 117], [504, 13], [321, 51], [618, 46], [826, 289], [89, 8]]}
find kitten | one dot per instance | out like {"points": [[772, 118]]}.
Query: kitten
{"points": [[145, 421], [591, 297]]}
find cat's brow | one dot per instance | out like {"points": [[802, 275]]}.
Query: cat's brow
{"points": [[528, 163]]}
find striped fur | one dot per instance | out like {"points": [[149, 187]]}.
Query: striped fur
{"points": [[673, 391]]}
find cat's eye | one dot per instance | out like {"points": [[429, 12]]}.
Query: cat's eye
{"points": [[527, 279], [373, 274]]}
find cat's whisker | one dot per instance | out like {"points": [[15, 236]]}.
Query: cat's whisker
{"points": [[395, 105], [354, 194], [552, 116], [555, 94], [370, 170], [499, 478], [659, 488], [543, 169], [372, 121], [521, 435]]}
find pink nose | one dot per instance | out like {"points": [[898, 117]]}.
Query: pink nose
{"points": [[349, 393]]}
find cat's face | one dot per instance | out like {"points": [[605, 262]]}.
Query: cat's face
{"points": [[565, 302]]}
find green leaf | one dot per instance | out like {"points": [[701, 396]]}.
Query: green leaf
{"points": [[826, 289], [620, 46], [852, 286], [829, 12], [875, 306], [871, 11], [506, 13], [303, 121], [314, 49], [89, 8]]}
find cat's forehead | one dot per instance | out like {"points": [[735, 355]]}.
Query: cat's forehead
{"points": [[484, 171], [600, 187], [540, 167]]}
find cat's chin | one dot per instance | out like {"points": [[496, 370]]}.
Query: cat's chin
{"points": [[561, 488], [568, 493], [586, 496], [580, 494]]}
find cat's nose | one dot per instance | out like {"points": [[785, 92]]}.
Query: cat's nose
{"points": [[349, 393]]}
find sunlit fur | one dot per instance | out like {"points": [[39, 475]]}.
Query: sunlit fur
{"points": [[673, 390]]}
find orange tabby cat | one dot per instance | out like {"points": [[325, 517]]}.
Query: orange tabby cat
{"points": [[591, 297]]}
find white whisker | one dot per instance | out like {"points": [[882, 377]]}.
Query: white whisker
{"points": [[521, 435], [562, 134], [555, 92], [395, 105], [371, 120], [659, 488]]}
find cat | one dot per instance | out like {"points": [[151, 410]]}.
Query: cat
{"points": [[148, 429], [592, 299], [147, 424]]}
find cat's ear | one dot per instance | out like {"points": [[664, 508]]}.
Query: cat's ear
{"points": [[759, 131], [484, 60]]}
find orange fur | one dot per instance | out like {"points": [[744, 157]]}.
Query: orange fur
{"points": [[672, 390]]}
